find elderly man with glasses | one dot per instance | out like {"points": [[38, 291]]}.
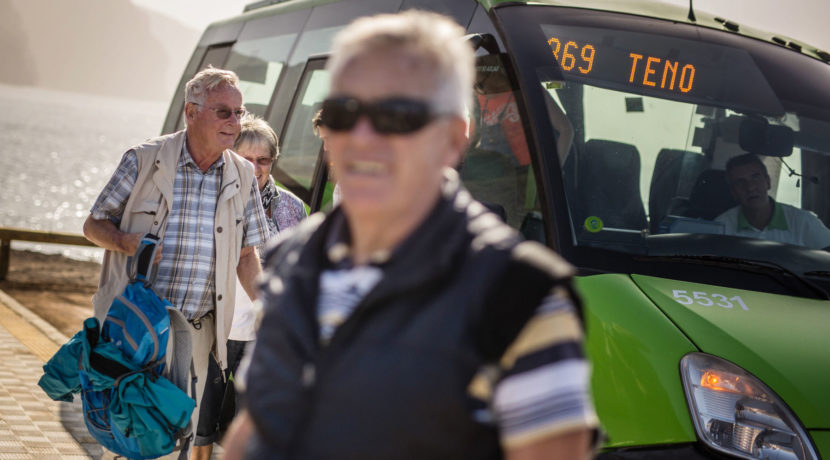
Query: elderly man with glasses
{"points": [[202, 200], [411, 323]]}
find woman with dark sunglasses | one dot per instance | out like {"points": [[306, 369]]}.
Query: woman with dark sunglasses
{"points": [[410, 322]]}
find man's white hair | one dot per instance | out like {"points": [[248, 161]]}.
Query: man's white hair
{"points": [[206, 81], [429, 38]]}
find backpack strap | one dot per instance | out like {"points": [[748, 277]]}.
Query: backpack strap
{"points": [[97, 361], [179, 351], [180, 370], [141, 265]]}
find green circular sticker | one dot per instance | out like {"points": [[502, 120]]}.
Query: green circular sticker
{"points": [[593, 224]]}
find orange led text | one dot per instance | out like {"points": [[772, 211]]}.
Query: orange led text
{"points": [[570, 51], [661, 73]]}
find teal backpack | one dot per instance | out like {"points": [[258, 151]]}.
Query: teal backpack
{"points": [[134, 372]]}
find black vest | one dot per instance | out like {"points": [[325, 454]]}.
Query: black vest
{"points": [[392, 382]]}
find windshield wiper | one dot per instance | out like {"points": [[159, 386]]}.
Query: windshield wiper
{"points": [[732, 262]]}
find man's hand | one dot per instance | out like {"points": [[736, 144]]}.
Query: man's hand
{"points": [[248, 270], [238, 436], [106, 235], [573, 445]]}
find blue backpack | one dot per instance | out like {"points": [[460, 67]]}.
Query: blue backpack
{"points": [[135, 372]]}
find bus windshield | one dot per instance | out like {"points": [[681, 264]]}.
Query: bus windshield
{"points": [[646, 116]]}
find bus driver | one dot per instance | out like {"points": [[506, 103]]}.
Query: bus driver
{"points": [[758, 215]]}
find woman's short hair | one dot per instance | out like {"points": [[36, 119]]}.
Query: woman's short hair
{"points": [[430, 38], [256, 131]]}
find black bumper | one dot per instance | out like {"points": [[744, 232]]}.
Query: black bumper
{"points": [[674, 452]]}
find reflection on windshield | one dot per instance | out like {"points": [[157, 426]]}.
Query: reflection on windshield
{"points": [[496, 167], [642, 166]]}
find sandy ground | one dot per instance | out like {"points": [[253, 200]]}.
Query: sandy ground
{"points": [[56, 288]]}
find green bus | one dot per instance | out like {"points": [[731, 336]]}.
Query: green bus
{"points": [[603, 129]]}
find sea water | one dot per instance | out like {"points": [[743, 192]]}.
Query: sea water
{"points": [[57, 151]]}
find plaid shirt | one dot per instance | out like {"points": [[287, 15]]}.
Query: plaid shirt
{"points": [[187, 267]]}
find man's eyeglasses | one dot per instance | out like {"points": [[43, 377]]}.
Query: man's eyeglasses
{"points": [[223, 113], [388, 116]]}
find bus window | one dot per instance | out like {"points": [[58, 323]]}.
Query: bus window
{"points": [[326, 20], [318, 25], [259, 56], [215, 56], [656, 117], [300, 147], [622, 137], [647, 165], [257, 76]]}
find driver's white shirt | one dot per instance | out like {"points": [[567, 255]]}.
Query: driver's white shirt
{"points": [[788, 225]]}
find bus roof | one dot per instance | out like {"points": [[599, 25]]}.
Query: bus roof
{"points": [[672, 12], [652, 9]]}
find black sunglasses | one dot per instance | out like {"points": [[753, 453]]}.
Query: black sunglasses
{"points": [[388, 116]]}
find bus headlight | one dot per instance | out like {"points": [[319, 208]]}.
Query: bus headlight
{"points": [[735, 413]]}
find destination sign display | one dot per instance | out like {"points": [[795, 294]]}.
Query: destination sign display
{"points": [[643, 70], [662, 66]]}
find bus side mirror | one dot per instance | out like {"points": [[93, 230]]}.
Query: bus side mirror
{"points": [[533, 227], [486, 41]]}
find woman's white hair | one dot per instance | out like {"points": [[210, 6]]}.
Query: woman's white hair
{"points": [[429, 38], [256, 131]]}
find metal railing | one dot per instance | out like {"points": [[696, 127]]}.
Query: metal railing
{"points": [[8, 234]]}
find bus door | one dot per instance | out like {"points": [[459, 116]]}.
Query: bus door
{"points": [[301, 166], [497, 167]]}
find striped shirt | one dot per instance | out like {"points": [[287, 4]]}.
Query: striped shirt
{"points": [[340, 292], [187, 267], [544, 380], [541, 386]]}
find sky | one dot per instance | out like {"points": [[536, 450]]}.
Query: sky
{"points": [[196, 13]]}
